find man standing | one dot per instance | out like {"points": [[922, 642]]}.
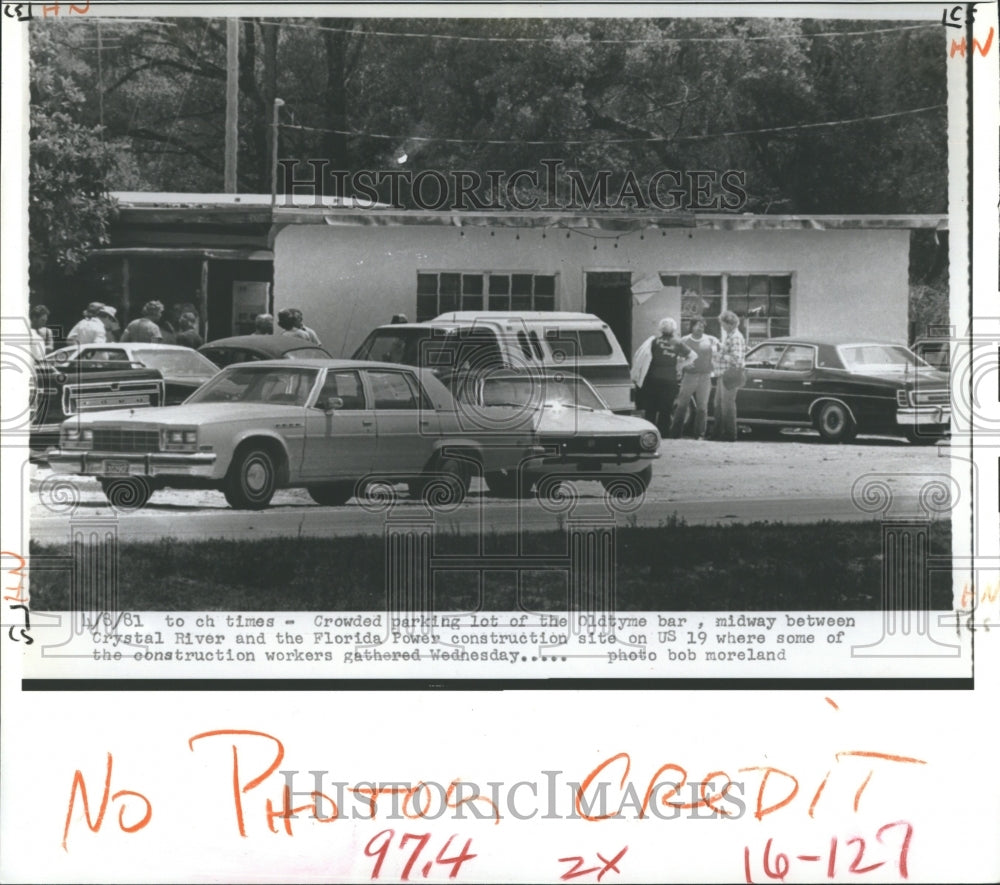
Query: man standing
{"points": [[188, 335], [731, 377], [91, 329], [145, 329], [39, 316], [696, 380]]}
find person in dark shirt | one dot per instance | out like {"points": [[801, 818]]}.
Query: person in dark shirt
{"points": [[656, 372], [188, 335]]}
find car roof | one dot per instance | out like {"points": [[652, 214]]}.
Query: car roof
{"points": [[143, 344], [276, 344], [827, 341], [331, 363], [526, 315]]}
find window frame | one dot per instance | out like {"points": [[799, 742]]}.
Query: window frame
{"points": [[774, 325], [484, 295]]}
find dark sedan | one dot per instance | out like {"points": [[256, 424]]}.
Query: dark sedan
{"points": [[842, 388], [251, 348]]}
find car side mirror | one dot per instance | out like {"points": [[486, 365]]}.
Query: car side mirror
{"points": [[331, 404]]}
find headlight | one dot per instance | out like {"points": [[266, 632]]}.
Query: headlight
{"points": [[649, 441], [182, 440], [77, 438]]}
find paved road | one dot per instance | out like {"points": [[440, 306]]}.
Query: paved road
{"points": [[796, 479]]}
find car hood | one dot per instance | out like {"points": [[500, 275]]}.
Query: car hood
{"points": [[195, 413], [567, 421], [192, 381]]}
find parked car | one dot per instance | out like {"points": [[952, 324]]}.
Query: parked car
{"points": [[250, 348], [533, 340], [60, 391], [324, 425], [842, 388], [580, 437], [183, 370]]}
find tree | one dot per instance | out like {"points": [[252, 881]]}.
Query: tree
{"points": [[69, 208]]}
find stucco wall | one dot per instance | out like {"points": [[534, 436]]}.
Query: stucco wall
{"points": [[347, 280]]}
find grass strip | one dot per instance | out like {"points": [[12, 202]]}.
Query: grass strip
{"points": [[671, 567]]}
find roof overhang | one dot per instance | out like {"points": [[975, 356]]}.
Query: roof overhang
{"points": [[255, 209]]}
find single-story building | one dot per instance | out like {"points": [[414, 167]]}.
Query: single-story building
{"points": [[349, 268]]}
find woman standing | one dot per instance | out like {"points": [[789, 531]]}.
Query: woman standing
{"points": [[729, 368], [655, 372]]}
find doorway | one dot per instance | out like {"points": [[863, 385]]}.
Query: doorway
{"points": [[609, 296]]}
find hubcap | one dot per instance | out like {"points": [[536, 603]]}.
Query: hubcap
{"points": [[256, 476]]}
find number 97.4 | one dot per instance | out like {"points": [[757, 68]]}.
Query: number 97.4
{"points": [[381, 843]]}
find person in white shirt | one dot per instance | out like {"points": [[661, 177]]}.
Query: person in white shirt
{"points": [[94, 327]]}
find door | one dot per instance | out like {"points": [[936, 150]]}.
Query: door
{"points": [[793, 382], [609, 296], [340, 442], [757, 398], [407, 427]]}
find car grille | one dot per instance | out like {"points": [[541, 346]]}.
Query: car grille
{"points": [[931, 397], [116, 440], [123, 394], [576, 446]]}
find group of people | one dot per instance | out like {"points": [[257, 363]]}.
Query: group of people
{"points": [[290, 321], [100, 325], [671, 372]]}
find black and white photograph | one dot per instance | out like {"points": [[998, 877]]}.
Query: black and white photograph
{"points": [[553, 349]]}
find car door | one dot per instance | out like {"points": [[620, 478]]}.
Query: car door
{"points": [[795, 382], [340, 432], [757, 399], [407, 425]]}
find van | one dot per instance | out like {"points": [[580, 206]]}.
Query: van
{"points": [[463, 341]]}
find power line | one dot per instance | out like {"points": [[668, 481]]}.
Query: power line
{"points": [[656, 41], [651, 139]]}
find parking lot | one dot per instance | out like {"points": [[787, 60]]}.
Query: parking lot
{"points": [[794, 478]]}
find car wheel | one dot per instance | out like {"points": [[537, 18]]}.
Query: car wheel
{"points": [[446, 485], [251, 480], [127, 493], [626, 488], [835, 424], [332, 494], [508, 484]]}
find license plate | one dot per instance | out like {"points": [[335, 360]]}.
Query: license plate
{"points": [[116, 468]]}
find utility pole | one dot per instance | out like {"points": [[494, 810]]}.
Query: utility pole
{"points": [[278, 103], [232, 100]]}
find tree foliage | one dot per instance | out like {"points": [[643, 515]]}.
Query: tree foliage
{"points": [[503, 94], [70, 167]]}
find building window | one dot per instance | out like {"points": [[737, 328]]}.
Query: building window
{"points": [[763, 302], [442, 292]]}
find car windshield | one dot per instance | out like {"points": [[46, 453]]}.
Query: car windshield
{"points": [[258, 384], [866, 357], [549, 392], [176, 363], [395, 346]]}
